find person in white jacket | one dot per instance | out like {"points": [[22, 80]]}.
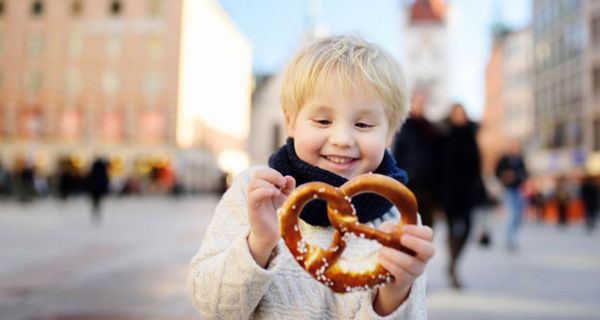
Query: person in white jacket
{"points": [[343, 99]]}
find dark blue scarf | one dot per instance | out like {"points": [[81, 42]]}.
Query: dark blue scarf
{"points": [[368, 206]]}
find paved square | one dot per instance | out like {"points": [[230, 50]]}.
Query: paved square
{"points": [[58, 265]]}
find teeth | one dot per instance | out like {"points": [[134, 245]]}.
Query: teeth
{"points": [[339, 160]]}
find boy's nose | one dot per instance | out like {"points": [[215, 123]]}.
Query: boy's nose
{"points": [[342, 136]]}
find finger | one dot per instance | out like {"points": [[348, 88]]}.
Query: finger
{"points": [[423, 232], [424, 248], [290, 185], [398, 263], [387, 226], [272, 176], [258, 195], [257, 183]]}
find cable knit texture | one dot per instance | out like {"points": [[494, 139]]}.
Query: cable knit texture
{"points": [[226, 283]]}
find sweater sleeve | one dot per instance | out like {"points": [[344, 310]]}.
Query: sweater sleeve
{"points": [[224, 280], [414, 308]]}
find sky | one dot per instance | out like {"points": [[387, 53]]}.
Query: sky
{"points": [[275, 30]]}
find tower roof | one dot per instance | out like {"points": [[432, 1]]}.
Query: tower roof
{"points": [[427, 11]]}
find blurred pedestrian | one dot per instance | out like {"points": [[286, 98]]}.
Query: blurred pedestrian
{"points": [[416, 148], [4, 181], [97, 182], [536, 201], [23, 174], [563, 197], [512, 173], [589, 196], [67, 177], [462, 186]]}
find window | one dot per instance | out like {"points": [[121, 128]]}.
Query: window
{"points": [[558, 136], [576, 88], [74, 44], [574, 132], [113, 45], [111, 82], [151, 84], [116, 8], [72, 81], [596, 80], [596, 128], [69, 126], [154, 46], [34, 44], [155, 8], [76, 8], [574, 38], [33, 81], [37, 8], [595, 29]]}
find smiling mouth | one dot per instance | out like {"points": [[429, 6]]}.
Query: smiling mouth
{"points": [[340, 160]]}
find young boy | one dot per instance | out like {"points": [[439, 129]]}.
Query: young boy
{"points": [[343, 99]]}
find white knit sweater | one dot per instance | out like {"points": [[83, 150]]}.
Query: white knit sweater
{"points": [[226, 283]]}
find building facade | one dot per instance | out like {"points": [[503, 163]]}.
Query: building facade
{"points": [[508, 114], [565, 107], [81, 79], [517, 91], [491, 124]]}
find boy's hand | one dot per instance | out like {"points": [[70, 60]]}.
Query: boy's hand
{"points": [[266, 192], [403, 267]]}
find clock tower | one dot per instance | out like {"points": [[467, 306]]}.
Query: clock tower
{"points": [[426, 55]]}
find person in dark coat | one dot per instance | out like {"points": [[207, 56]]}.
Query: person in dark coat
{"points": [[563, 198], [416, 148], [97, 185], [461, 182], [589, 196]]}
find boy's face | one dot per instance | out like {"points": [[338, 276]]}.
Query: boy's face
{"points": [[344, 133]]}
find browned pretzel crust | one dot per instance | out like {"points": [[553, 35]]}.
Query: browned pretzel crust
{"points": [[322, 264]]}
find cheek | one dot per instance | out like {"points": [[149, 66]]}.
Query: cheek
{"points": [[373, 149], [307, 146]]}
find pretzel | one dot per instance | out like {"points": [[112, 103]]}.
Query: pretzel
{"points": [[322, 264]]}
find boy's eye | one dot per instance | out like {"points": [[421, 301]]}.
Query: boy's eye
{"points": [[322, 122], [363, 125]]}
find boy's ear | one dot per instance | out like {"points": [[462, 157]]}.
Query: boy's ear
{"points": [[289, 128]]}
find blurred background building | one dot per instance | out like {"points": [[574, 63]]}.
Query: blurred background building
{"points": [[541, 84], [146, 83], [170, 85], [426, 54], [508, 111], [562, 70]]}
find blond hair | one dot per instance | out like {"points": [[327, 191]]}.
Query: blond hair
{"points": [[357, 64]]}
